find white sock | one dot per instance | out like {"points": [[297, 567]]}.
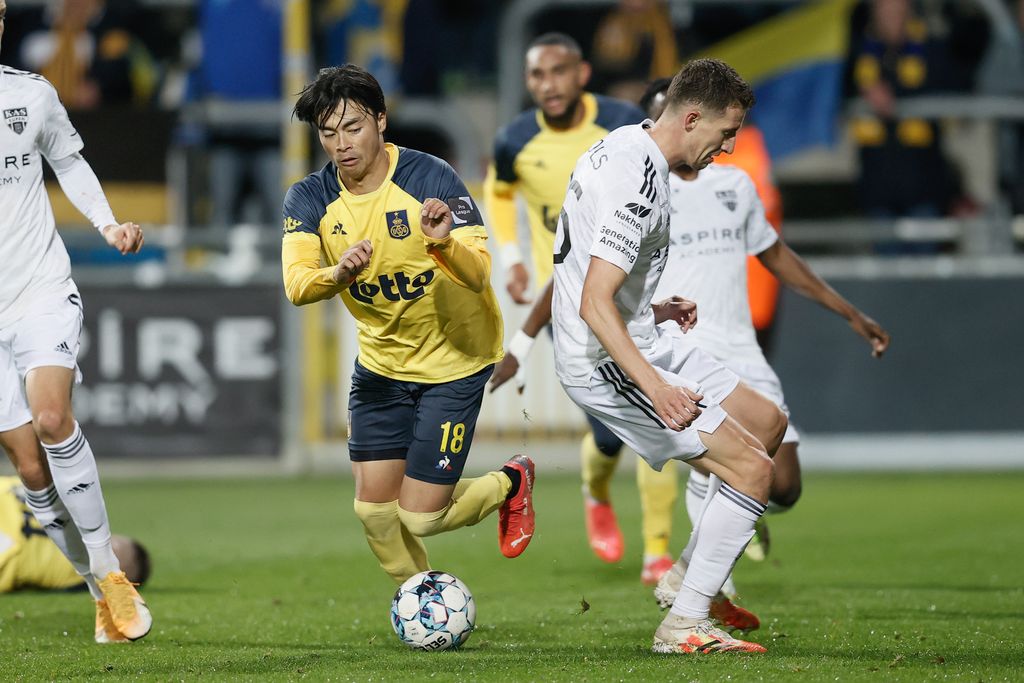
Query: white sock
{"points": [[725, 528], [77, 481], [55, 519], [698, 497], [696, 489]]}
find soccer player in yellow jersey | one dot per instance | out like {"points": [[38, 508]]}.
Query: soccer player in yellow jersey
{"points": [[535, 155], [404, 246], [30, 560]]}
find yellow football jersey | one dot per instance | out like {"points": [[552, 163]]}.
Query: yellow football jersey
{"points": [[28, 558], [416, 321], [537, 160]]}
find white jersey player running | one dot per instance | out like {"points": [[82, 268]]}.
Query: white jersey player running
{"points": [[40, 325], [613, 360], [717, 220]]}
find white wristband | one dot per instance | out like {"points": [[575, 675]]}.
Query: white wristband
{"points": [[511, 255], [520, 346]]}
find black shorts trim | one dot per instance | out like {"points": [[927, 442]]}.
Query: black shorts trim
{"points": [[371, 456]]}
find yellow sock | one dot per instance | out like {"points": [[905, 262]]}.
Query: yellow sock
{"points": [[472, 500], [401, 554], [658, 491], [597, 469]]}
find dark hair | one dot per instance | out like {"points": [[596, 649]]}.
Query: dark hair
{"points": [[556, 38], [654, 88], [142, 562], [711, 83], [351, 83]]}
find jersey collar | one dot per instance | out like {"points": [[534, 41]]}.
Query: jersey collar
{"points": [[392, 151], [653, 151]]}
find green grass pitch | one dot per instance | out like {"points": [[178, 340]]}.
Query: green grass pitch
{"points": [[873, 577]]}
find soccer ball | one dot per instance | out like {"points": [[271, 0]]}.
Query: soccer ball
{"points": [[433, 611]]}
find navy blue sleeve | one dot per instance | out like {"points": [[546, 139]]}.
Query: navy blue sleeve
{"points": [[613, 113], [302, 210], [504, 158], [509, 141], [424, 176]]}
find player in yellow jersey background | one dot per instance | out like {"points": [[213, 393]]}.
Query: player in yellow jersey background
{"points": [[30, 560], [534, 156], [395, 233]]}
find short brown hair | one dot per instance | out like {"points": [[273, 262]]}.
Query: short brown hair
{"points": [[711, 83]]}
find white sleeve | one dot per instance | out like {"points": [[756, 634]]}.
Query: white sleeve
{"points": [[760, 233], [82, 187], [57, 137], [622, 218]]}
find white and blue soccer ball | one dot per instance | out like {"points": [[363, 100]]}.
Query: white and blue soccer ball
{"points": [[433, 611]]}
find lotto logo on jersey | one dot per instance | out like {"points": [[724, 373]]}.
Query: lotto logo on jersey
{"points": [[393, 287], [16, 119]]}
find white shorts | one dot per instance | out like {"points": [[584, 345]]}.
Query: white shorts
{"points": [[49, 335], [617, 402], [760, 377]]}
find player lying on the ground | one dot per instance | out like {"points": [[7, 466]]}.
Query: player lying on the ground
{"points": [[405, 248], [40, 330], [533, 157], [29, 560]]}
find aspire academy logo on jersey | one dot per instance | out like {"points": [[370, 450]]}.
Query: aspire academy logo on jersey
{"points": [[16, 119]]}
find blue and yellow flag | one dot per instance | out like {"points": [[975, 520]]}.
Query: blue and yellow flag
{"points": [[794, 62]]}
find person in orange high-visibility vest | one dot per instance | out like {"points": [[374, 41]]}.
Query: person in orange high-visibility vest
{"points": [[751, 155]]}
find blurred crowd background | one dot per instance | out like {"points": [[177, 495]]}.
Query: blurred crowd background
{"points": [[893, 131]]}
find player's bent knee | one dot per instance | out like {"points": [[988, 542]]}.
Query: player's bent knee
{"points": [[422, 523], [757, 472], [52, 426], [786, 497]]}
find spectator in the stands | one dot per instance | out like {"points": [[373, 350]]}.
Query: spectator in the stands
{"points": [[634, 44], [903, 170], [240, 65], [90, 55]]}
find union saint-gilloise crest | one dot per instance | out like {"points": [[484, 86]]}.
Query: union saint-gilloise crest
{"points": [[398, 224], [16, 119]]}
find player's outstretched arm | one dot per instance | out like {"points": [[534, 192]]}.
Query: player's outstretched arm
{"points": [[675, 405], [466, 261], [82, 188], [514, 362], [500, 201], [794, 272]]}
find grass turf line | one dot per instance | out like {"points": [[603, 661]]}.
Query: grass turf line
{"points": [[893, 577]]}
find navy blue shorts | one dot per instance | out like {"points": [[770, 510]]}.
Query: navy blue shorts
{"points": [[430, 426]]}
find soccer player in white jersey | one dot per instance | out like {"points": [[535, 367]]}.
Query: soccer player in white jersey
{"points": [[664, 399], [40, 325], [717, 219]]}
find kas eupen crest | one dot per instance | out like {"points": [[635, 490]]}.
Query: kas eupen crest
{"points": [[16, 119], [728, 198]]}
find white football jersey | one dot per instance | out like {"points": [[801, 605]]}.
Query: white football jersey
{"points": [[616, 209], [35, 125], [717, 220]]}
